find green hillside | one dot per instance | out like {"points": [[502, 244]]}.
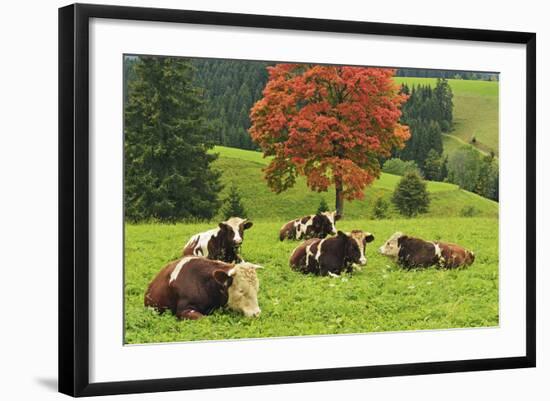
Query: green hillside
{"points": [[244, 169], [381, 297], [475, 111]]}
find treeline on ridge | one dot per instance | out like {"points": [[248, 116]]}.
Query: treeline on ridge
{"points": [[211, 100]]}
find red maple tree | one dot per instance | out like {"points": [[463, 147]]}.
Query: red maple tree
{"points": [[328, 123]]}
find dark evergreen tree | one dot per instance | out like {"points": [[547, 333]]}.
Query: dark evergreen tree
{"points": [[487, 182], [425, 135], [428, 112], [168, 173], [444, 98], [411, 196], [444, 172], [128, 75], [380, 208], [432, 166], [231, 87], [323, 206], [493, 186], [233, 206]]}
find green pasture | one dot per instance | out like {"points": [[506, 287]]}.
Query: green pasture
{"points": [[381, 297], [244, 169], [475, 110]]}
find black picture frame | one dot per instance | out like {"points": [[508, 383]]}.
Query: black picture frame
{"points": [[74, 198]]}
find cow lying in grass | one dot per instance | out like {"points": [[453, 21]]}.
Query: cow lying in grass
{"points": [[193, 287], [314, 226], [414, 252], [221, 243], [331, 256]]}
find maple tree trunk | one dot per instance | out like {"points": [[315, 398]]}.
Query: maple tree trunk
{"points": [[339, 197]]}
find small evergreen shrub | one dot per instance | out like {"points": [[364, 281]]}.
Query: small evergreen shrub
{"points": [[380, 208], [233, 206], [323, 206], [411, 196]]}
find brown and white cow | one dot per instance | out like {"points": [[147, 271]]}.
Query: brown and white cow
{"points": [[193, 287], [331, 256], [313, 226], [413, 252], [221, 243]]}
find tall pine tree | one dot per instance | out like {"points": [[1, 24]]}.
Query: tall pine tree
{"points": [[168, 173], [444, 96]]}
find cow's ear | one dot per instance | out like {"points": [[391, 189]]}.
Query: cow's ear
{"points": [[342, 234], [369, 238], [223, 226], [247, 224], [222, 278], [337, 216]]}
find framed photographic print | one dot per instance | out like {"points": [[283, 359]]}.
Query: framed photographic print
{"points": [[303, 199]]}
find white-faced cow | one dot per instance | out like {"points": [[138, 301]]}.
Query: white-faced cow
{"points": [[331, 256], [314, 226], [413, 252], [221, 243], [193, 287]]}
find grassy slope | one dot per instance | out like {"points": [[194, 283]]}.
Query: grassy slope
{"points": [[244, 168], [382, 297], [475, 111]]}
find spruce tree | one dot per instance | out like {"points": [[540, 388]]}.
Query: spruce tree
{"points": [[444, 172], [168, 174], [233, 206], [380, 208], [444, 97], [323, 206], [432, 166], [410, 196]]}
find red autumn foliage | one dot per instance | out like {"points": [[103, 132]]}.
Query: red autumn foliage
{"points": [[328, 123]]}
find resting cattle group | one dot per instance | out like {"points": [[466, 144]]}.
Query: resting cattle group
{"points": [[211, 274]]}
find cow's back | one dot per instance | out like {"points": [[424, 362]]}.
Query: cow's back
{"points": [[454, 255], [299, 259], [158, 294], [415, 252], [193, 284], [288, 231], [188, 281], [198, 243]]}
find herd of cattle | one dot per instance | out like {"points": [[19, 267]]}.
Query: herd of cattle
{"points": [[212, 274]]}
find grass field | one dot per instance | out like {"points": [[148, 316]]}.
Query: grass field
{"points": [[244, 169], [475, 110], [382, 297]]}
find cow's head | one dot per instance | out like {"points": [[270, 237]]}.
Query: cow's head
{"points": [[392, 246], [243, 291], [470, 257], [324, 223], [356, 241], [232, 230]]}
